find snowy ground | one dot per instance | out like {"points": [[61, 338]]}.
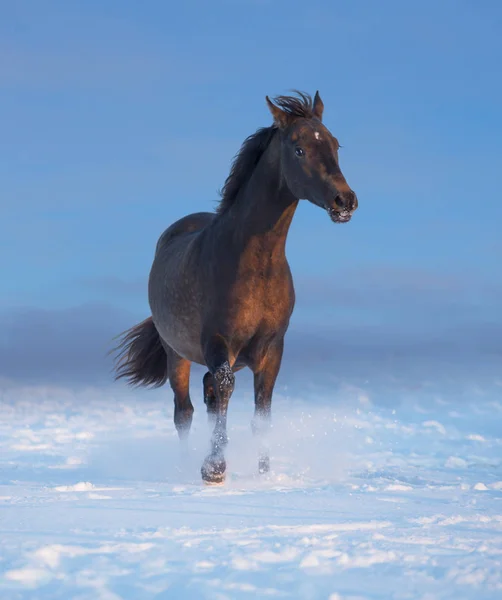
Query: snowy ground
{"points": [[366, 500]]}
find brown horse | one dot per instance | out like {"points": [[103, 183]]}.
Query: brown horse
{"points": [[220, 287]]}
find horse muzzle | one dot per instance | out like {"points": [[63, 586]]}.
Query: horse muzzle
{"points": [[343, 207]]}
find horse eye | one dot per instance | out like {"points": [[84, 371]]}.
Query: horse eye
{"points": [[299, 151]]}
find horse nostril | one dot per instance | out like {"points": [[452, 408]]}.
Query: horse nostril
{"points": [[340, 201], [346, 201]]}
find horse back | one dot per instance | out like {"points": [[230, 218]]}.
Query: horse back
{"points": [[188, 224]]}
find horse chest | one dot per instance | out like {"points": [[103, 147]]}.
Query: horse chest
{"points": [[261, 304]]}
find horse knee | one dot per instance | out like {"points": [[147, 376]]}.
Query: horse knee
{"points": [[224, 380]]}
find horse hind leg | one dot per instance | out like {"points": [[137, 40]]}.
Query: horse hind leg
{"points": [[179, 378], [209, 397], [264, 381]]}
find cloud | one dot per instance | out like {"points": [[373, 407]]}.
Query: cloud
{"points": [[60, 346], [70, 346], [381, 343], [376, 288], [416, 298]]}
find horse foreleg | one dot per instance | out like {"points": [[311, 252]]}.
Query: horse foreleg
{"points": [[265, 376], [210, 395], [214, 466]]}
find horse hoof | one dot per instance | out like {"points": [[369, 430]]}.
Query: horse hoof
{"points": [[213, 472], [214, 482], [264, 465], [213, 478]]}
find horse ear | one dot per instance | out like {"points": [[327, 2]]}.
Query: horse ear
{"points": [[280, 117], [318, 107]]}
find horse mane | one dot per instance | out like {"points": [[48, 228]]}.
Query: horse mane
{"points": [[296, 107], [255, 145]]}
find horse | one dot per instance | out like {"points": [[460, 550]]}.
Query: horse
{"points": [[220, 288]]}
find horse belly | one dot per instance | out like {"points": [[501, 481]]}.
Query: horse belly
{"points": [[182, 336]]}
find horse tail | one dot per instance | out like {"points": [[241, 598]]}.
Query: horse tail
{"points": [[141, 358]]}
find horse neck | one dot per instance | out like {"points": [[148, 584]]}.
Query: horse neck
{"points": [[261, 215]]}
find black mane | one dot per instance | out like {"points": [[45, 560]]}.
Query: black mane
{"points": [[244, 164], [296, 107], [255, 145]]}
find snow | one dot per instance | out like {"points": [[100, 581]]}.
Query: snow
{"points": [[366, 500]]}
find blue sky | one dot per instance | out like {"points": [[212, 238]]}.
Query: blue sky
{"points": [[120, 117]]}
